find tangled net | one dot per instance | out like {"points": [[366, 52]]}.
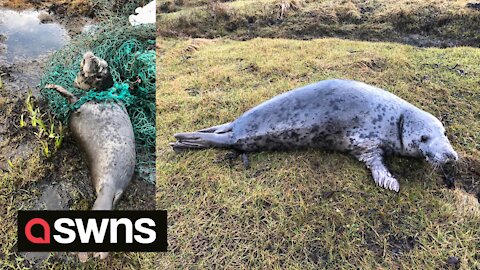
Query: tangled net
{"points": [[130, 54]]}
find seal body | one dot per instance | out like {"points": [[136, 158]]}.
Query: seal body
{"points": [[105, 133], [330, 114], [343, 115]]}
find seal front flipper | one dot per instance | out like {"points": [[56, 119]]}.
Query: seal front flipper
{"points": [[62, 91], [234, 155], [381, 175], [246, 161]]}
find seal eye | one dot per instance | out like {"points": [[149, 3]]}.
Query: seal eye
{"points": [[424, 138]]}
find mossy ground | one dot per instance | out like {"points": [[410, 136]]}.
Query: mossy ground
{"points": [[313, 209]]}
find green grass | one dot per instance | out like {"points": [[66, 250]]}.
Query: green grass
{"points": [[313, 209], [426, 23]]}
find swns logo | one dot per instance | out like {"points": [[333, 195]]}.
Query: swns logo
{"points": [[92, 231]]}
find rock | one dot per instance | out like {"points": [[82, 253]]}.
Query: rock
{"points": [[452, 260], [45, 17]]}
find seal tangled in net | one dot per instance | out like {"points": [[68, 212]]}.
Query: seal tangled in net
{"points": [[130, 54]]}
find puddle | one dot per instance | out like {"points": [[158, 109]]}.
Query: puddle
{"points": [[26, 37]]}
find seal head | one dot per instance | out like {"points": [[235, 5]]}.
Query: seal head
{"points": [[94, 73], [423, 135]]}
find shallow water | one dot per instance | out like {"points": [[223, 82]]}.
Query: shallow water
{"points": [[26, 37]]}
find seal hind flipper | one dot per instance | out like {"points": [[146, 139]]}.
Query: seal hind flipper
{"points": [[202, 140], [64, 92], [105, 199], [218, 129]]}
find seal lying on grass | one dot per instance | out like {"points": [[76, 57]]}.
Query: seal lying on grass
{"points": [[342, 115], [105, 133]]}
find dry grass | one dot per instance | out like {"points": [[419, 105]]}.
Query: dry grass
{"points": [[425, 23], [313, 209]]}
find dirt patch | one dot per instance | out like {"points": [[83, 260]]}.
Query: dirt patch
{"points": [[467, 176], [399, 244]]}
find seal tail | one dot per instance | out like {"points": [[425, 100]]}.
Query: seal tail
{"points": [[106, 199], [213, 137]]}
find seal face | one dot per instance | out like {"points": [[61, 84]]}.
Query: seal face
{"points": [[94, 73], [342, 115]]}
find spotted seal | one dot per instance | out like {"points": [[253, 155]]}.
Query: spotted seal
{"points": [[344, 115], [105, 134]]}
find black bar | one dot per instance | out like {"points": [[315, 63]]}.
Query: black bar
{"points": [[159, 217]]}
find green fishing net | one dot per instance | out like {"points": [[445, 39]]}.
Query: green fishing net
{"points": [[130, 54]]}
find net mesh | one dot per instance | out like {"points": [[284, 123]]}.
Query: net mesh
{"points": [[130, 54]]}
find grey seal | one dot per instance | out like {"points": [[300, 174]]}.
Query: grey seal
{"points": [[105, 133], [343, 115]]}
